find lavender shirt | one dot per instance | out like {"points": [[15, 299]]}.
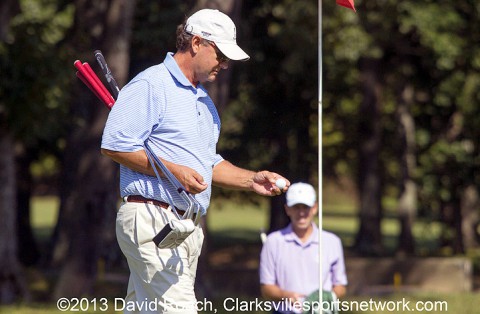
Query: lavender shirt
{"points": [[290, 264], [333, 264]]}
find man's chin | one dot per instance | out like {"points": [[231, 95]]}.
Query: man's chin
{"points": [[212, 77], [302, 225]]}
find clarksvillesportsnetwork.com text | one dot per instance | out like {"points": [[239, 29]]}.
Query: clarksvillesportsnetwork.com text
{"points": [[404, 305], [371, 305], [248, 306]]}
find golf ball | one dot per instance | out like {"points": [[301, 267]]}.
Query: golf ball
{"points": [[281, 183]]}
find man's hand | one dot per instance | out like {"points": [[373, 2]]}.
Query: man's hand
{"points": [[227, 175], [264, 183], [275, 293], [294, 297], [191, 180]]}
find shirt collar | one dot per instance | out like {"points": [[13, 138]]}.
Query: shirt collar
{"points": [[291, 236], [175, 71]]}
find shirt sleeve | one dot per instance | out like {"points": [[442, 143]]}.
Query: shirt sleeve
{"points": [[267, 264], [217, 159], [339, 274], [132, 118]]}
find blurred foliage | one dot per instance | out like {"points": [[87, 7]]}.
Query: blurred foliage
{"points": [[34, 87], [271, 120], [431, 45], [153, 32]]}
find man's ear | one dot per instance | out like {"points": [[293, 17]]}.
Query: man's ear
{"points": [[196, 42]]}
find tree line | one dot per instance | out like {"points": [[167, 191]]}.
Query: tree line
{"points": [[400, 115]]}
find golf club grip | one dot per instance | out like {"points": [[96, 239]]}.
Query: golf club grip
{"points": [[98, 83], [108, 74], [92, 82], [87, 83]]}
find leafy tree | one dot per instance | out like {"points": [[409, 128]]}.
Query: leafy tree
{"points": [[30, 108], [88, 193], [271, 121], [427, 72]]}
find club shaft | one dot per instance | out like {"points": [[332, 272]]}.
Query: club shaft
{"points": [[108, 74]]}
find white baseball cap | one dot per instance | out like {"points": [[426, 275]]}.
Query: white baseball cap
{"points": [[216, 26], [301, 193]]}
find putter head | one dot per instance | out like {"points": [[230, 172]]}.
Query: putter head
{"points": [[174, 233]]}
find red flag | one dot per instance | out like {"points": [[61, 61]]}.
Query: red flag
{"points": [[347, 3]]}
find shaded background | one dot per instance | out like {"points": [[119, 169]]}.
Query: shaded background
{"points": [[401, 124]]}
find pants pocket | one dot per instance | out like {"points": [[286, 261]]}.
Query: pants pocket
{"points": [[150, 220]]}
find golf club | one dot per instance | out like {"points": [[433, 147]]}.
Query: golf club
{"points": [[108, 74], [176, 231]]}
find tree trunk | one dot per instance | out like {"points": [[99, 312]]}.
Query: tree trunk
{"points": [[24, 192], [369, 237], [12, 283], [470, 202], [278, 217], [452, 210], [8, 9], [86, 228], [407, 202], [291, 164]]}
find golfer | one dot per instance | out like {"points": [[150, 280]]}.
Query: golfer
{"points": [[167, 107]]}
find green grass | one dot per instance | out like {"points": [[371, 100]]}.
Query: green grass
{"points": [[227, 215], [41, 308], [240, 222], [44, 215], [434, 303], [236, 221]]}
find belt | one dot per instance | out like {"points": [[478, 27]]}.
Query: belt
{"points": [[141, 199]]}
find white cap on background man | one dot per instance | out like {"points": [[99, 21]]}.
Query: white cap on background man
{"points": [[301, 193]]}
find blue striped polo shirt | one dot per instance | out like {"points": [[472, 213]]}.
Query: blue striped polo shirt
{"points": [[179, 121]]}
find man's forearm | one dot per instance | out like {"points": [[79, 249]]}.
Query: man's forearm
{"points": [[136, 161], [226, 175], [191, 180], [340, 291], [272, 292]]}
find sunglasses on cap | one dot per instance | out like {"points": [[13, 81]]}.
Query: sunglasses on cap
{"points": [[220, 56]]}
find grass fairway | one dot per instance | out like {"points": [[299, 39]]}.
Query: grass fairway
{"points": [[236, 221], [240, 222], [44, 215]]}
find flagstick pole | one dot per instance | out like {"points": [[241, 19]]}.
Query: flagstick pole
{"points": [[320, 150]]}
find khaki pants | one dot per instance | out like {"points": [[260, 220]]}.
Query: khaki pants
{"points": [[161, 280]]}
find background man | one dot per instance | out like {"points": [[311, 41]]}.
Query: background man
{"points": [[289, 261]]}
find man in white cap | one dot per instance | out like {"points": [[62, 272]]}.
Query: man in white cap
{"points": [[167, 107], [289, 261]]}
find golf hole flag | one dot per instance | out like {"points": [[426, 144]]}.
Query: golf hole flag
{"points": [[347, 3]]}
